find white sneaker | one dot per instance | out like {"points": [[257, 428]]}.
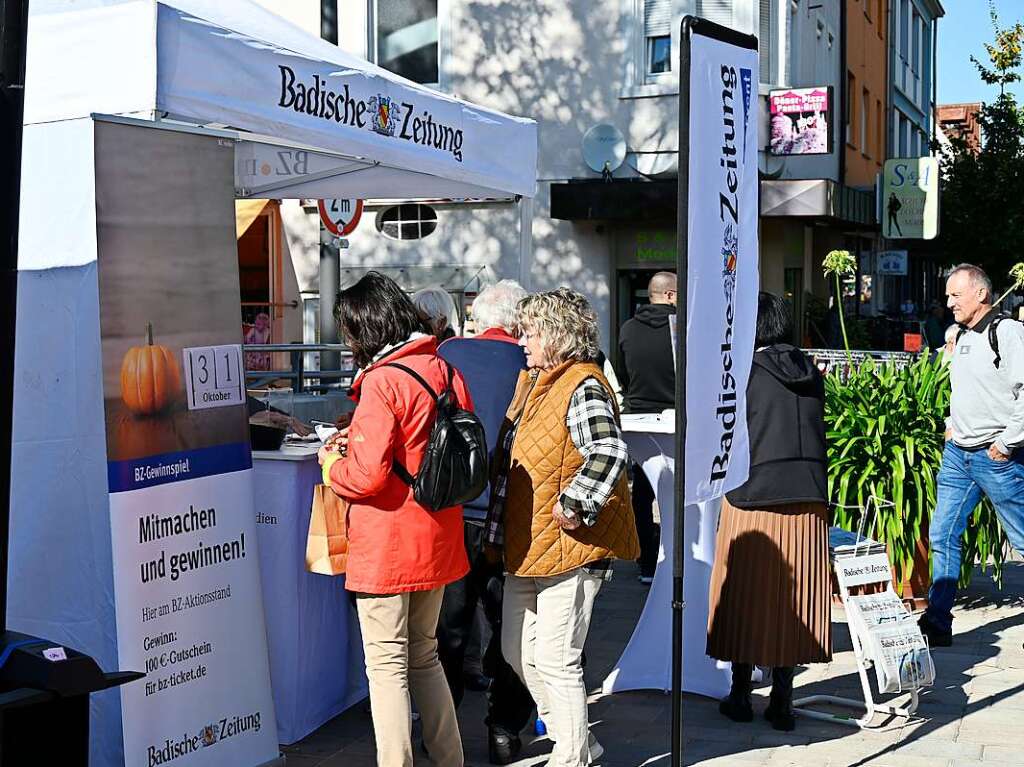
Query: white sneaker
{"points": [[596, 749]]}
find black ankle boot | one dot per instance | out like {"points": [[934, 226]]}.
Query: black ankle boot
{"points": [[737, 706], [502, 746], [780, 706]]}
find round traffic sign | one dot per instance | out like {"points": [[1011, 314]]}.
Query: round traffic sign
{"points": [[341, 217]]}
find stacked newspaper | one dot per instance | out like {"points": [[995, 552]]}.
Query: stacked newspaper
{"points": [[892, 640]]}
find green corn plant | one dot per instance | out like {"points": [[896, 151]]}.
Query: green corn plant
{"points": [[885, 429]]}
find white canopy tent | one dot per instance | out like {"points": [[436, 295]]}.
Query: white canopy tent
{"points": [[235, 66], [239, 74]]}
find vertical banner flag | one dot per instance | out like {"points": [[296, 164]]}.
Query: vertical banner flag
{"points": [[186, 572], [722, 261]]}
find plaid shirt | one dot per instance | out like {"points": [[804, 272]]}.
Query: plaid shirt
{"points": [[596, 434]]}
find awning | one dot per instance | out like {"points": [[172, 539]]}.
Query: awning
{"points": [[818, 198], [627, 200], [247, 211], [236, 65]]}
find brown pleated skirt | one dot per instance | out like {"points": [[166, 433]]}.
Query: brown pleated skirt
{"points": [[770, 601]]}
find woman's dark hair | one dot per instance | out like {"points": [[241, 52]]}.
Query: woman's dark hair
{"points": [[374, 313], [774, 321]]}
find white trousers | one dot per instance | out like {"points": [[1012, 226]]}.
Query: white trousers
{"points": [[543, 629]]}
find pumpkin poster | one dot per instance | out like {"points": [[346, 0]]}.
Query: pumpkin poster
{"points": [[186, 576]]}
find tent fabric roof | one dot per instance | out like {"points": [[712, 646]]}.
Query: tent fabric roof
{"points": [[234, 63]]}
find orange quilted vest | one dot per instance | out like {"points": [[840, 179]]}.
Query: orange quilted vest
{"points": [[544, 461]]}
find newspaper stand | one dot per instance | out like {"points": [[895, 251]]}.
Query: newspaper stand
{"points": [[860, 562]]}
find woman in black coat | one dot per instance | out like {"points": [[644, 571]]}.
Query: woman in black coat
{"points": [[770, 586]]}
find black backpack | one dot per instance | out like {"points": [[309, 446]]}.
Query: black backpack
{"points": [[454, 467], [993, 335]]}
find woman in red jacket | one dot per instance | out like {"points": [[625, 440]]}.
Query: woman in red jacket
{"points": [[400, 555]]}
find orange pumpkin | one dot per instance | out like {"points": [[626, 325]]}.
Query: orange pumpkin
{"points": [[150, 377]]}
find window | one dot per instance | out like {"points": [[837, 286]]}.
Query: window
{"points": [[407, 222], [659, 54], [879, 152], [658, 36], [915, 48], [851, 89], [718, 11], [904, 27], [865, 106], [405, 38], [880, 25], [767, 33]]}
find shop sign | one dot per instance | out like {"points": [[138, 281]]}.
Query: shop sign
{"points": [[656, 246], [340, 217], [800, 121], [910, 199], [892, 262]]}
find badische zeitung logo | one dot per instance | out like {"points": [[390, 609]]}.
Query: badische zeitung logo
{"points": [[728, 211], [208, 735], [379, 113]]}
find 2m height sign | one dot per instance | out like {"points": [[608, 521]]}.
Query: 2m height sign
{"points": [[341, 217]]}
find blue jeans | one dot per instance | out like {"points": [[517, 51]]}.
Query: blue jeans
{"points": [[965, 476]]}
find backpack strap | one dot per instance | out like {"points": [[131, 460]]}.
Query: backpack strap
{"points": [[415, 375], [993, 337], [396, 465]]}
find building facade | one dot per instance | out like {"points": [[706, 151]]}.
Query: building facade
{"points": [[960, 121], [912, 51], [576, 64]]}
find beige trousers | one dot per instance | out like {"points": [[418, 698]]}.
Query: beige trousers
{"points": [[400, 644], [544, 626]]}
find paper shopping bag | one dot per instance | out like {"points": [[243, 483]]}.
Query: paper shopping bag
{"points": [[327, 541]]}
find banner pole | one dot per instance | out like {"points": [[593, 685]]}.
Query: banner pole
{"points": [[13, 35], [682, 263]]}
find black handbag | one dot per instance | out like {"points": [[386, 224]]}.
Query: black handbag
{"points": [[454, 467]]}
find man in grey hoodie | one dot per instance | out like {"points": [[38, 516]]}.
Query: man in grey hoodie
{"points": [[983, 453]]}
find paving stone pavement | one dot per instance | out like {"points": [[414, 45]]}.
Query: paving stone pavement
{"points": [[971, 718]]}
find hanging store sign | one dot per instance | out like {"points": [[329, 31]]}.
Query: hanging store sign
{"points": [[910, 199], [800, 121], [892, 262]]}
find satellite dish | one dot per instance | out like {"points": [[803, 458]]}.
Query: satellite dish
{"points": [[604, 148]]}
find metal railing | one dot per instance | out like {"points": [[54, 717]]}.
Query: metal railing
{"points": [[828, 360], [301, 378]]}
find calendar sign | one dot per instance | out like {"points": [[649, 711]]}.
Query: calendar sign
{"points": [[341, 217], [213, 376]]}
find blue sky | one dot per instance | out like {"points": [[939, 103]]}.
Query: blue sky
{"points": [[963, 31]]}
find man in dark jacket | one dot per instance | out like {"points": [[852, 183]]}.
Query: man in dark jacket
{"points": [[490, 363], [648, 378]]}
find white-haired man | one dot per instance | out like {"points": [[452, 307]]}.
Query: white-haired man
{"points": [[983, 453], [490, 363]]}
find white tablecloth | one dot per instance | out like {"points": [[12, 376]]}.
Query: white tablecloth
{"points": [[316, 658], [646, 663]]}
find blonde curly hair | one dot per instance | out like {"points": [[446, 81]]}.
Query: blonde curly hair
{"points": [[565, 322]]}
